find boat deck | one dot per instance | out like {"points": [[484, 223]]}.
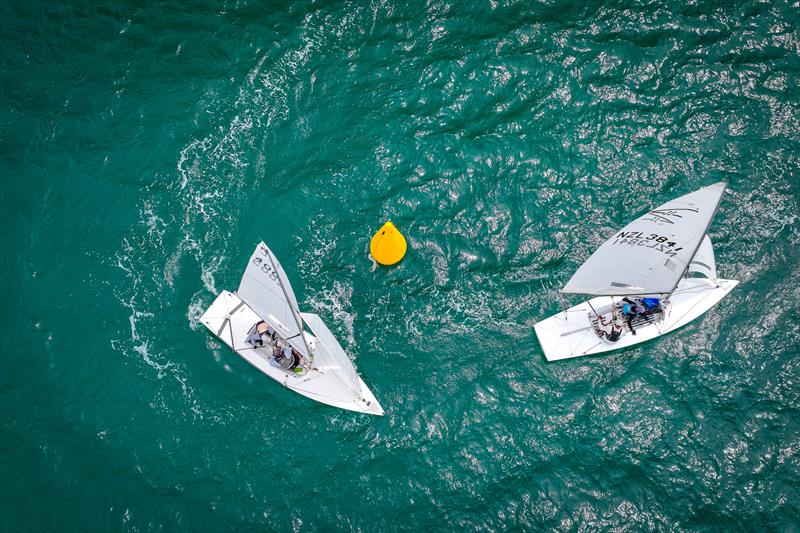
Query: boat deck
{"points": [[231, 319], [573, 332]]}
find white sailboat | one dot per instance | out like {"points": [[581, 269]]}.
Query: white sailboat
{"points": [[262, 323], [652, 277]]}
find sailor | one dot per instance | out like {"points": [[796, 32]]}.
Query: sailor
{"points": [[287, 357], [279, 355], [295, 359], [262, 335], [631, 309], [617, 324]]}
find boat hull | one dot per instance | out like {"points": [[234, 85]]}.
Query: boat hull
{"points": [[571, 333], [230, 319]]}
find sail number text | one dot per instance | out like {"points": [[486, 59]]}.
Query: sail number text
{"points": [[266, 268], [651, 240]]}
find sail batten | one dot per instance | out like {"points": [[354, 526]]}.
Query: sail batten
{"points": [[651, 254]]}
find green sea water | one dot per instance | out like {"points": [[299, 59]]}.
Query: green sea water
{"points": [[146, 147]]}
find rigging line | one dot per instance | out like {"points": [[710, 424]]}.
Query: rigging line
{"points": [[564, 302], [248, 348], [584, 336], [592, 348], [314, 393], [695, 305]]}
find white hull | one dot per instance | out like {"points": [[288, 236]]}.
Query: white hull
{"points": [[324, 387], [571, 333]]}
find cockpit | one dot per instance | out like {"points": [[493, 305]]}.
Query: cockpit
{"points": [[281, 353]]}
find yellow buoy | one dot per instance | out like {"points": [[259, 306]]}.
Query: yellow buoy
{"points": [[388, 246]]}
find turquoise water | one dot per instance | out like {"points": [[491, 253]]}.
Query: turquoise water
{"points": [[146, 148]]}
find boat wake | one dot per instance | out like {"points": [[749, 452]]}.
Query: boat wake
{"points": [[169, 249]]}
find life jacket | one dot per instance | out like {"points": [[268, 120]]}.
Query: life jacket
{"points": [[651, 303], [633, 310]]}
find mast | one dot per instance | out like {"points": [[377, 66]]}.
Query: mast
{"points": [[295, 312]]}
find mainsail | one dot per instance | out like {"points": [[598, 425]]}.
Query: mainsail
{"points": [[266, 289], [329, 355], [651, 254]]}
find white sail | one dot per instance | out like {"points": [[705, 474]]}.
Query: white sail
{"points": [[329, 356], [265, 288], [651, 254], [703, 261]]}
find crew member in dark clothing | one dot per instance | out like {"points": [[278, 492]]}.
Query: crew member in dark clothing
{"points": [[616, 332], [288, 358], [631, 310], [616, 322]]}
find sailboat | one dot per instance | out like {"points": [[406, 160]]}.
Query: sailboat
{"points": [[263, 324], [652, 277]]}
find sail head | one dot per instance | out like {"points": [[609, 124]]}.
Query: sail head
{"points": [[651, 254]]}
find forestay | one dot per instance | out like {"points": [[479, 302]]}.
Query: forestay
{"points": [[329, 355], [266, 289], [649, 255], [703, 261]]}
